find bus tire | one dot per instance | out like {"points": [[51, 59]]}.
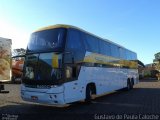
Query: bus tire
{"points": [[89, 92], [132, 83], [128, 85]]}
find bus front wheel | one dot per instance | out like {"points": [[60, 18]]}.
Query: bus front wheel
{"points": [[89, 92]]}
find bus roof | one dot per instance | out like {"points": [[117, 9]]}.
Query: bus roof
{"points": [[70, 26]]}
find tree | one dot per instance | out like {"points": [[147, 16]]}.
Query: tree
{"points": [[17, 52], [157, 61]]}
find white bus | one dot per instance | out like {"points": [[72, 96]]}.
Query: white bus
{"points": [[65, 64]]}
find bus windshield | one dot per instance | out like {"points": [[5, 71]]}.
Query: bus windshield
{"points": [[47, 40], [40, 68]]}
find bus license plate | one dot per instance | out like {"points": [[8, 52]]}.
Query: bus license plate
{"points": [[34, 97]]}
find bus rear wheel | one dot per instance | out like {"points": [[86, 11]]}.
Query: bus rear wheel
{"points": [[129, 85], [132, 83], [89, 93]]}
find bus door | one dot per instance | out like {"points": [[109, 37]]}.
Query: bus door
{"points": [[73, 89]]}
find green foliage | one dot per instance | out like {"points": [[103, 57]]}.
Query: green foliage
{"points": [[147, 74], [157, 61], [18, 51]]}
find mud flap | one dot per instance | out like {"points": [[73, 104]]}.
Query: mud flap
{"points": [[2, 88]]}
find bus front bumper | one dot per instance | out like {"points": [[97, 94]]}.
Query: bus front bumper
{"points": [[54, 96], [44, 98]]}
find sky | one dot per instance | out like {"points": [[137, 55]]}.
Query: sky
{"points": [[134, 24]]}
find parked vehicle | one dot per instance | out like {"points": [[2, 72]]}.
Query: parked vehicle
{"points": [[17, 68]]}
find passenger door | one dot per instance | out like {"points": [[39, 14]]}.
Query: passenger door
{"points": [[73, 89]]}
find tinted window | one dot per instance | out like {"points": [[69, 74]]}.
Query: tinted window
{"points": [[128, 55], [115, 51], [123, 53], [92, 43], [133, 56], [105, 48], [74, 40], [74, 45], [47, 40]]}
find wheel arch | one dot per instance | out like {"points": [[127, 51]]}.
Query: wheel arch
{"points": [[92, 85]]}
